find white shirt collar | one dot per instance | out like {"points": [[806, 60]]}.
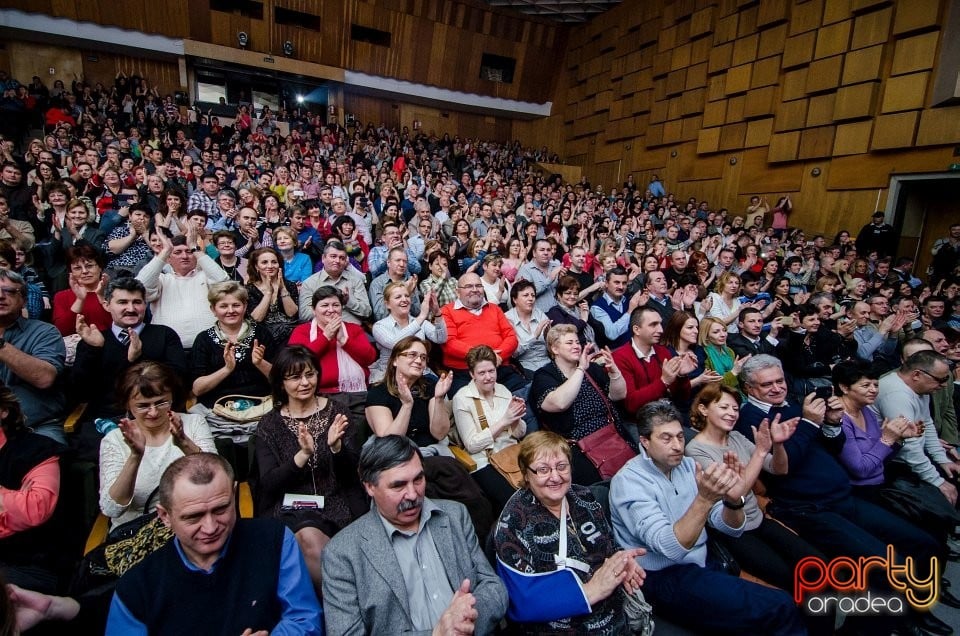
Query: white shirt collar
{"points": [[645, 357], [459, 305]]}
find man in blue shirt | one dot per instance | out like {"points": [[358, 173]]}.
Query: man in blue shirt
{"points": [[662, 501], [218, 575]]}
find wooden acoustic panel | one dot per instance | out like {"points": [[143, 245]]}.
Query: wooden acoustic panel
{"points": [[856, 101], [852, 139], [871, 28], [708, 140], [784, 146], [917, 53], [816, 142], [824, 74], [918, 14], [832, 40], [799, 49], [805, 16], [862, 65], [939, 126], [905, 92], [894, 131]]}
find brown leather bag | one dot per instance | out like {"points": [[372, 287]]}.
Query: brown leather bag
{"points": [[506, 460], [606, 449]]}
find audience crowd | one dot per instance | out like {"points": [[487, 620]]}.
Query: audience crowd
{"points": [[763, 393]]}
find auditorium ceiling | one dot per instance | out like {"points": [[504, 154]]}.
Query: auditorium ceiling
{"points": [[566, 11]]}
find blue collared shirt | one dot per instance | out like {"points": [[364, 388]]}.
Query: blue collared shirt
{"points": [[301, 612]]}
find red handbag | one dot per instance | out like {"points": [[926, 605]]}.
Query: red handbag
{"points": [[606, 449]]}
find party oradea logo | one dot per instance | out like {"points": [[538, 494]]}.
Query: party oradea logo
{"points": [[842, 584]]}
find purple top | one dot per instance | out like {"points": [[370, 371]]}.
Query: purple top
{"points": [[863, 453]]}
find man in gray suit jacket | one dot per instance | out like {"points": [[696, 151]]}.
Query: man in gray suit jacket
{"points": [[411, 565]]}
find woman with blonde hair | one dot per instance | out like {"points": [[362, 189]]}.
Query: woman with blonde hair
{"points": [[230, 358], [717, 356], [399, 324], [297, 266], [722, 303], [572, 394]]}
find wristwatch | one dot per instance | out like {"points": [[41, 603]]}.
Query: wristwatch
{"points": [[735, 506]]}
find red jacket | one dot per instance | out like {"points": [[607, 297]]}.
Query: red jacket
{"points": [[643, 378], [358, 347], [466, 330]]}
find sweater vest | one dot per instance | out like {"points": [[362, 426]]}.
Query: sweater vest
{"points": [[615, 315], [240, 593]]}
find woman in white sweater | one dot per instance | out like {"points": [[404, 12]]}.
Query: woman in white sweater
{"points": [[147, 440], [488, 420]]}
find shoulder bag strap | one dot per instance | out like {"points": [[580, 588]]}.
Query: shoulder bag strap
{"points": [[478, 404], [606, 400]]}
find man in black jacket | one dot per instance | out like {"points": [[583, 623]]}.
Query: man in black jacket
{"points": [[751, 341], [877, 236], [104, 356]]}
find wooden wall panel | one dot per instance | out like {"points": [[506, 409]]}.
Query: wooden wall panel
{"points": [[939, 126], [852, 139], [170, 17], [788, 85], [862, 65], [854, 102], [164, 75], [27, 59], [894, 131], [435, 42], [920, 15], [916, 53], [871, 28], [906, 92]]}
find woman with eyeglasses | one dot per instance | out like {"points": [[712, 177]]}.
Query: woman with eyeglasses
{"points": [[572, 310], [85, 295], [407, 402], [556, 552], [152, 436], [305, 446]]}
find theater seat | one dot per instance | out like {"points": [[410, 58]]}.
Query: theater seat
{"points": [[70, 424], [101, 527]]}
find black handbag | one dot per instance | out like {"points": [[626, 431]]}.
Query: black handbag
{"points": [[125, 546]]}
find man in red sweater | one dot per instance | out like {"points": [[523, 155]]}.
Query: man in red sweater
{"points": [[472, 321], [650, 369]]}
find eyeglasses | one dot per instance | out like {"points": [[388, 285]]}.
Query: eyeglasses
{"points": [[414, 355], [146, 407], [10, 291], [477, 286], [544, 471], [306, 375], [942, 380]]}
